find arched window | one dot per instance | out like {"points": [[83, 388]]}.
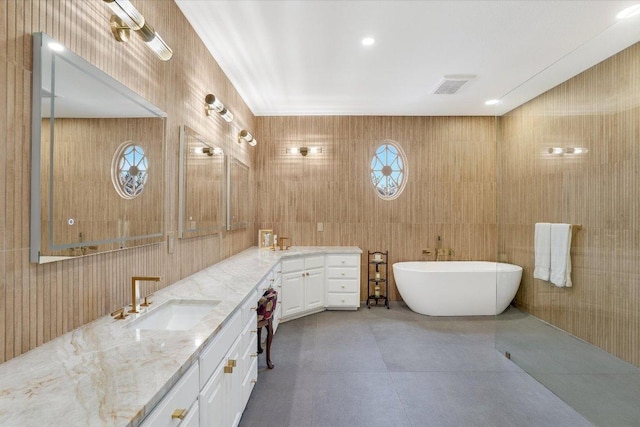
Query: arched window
{"points": [[389, 170], [129, 170]]}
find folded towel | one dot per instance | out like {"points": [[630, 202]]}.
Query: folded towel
{"points": [[542, 249], [560, 255]]}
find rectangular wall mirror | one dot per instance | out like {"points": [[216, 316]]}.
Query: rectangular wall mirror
{"points": [[97, 180], [237, 194], [202, 186]]}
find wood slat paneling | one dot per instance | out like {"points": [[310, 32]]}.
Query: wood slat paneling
{"points": [[450, 192], [600, 110], [42, 302]]}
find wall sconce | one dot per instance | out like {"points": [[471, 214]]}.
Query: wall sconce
{"points": [[304, 150], [213, 104], [247, 137], [209, 151], [128, 18], [559, 151]]}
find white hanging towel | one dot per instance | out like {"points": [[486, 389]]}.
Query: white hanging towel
{"points": [[560, 255], [542, 250]]}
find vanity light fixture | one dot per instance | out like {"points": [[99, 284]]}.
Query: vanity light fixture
{"points": [[213, 104], [304, 150], [209, 151], [128, 18], [559, 151], [247, 137]]}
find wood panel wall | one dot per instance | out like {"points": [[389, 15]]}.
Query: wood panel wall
{"points": [[450, 190], [600, 110], [41, 302]]}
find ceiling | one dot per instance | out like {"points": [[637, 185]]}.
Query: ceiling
{"points": [[306, 57]]}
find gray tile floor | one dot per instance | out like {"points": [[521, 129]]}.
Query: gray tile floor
{"points": [[603, 388], [394, 367]]}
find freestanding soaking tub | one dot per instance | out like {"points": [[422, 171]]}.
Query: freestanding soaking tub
{"points": [[457, 288]]}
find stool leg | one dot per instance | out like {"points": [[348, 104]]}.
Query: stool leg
{"points": [[269, 339], [259, 339]]}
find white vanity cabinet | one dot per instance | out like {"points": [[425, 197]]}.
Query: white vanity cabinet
{"points": [[179, 407], [303, 287], [343, 281], [229, 368]]}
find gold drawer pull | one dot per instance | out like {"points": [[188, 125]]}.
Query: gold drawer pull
{"points": [[254, 355], [254, 308], [228, 369], [232, 363], [342, 286], [254, 381], [179, 413]]}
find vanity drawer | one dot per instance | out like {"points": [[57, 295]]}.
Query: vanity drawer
{"points": [[250, 306], [289, 265], [215, 351], [343, 286], [314, 262], [343, 273], [336, 300], [250, 380], [352, 260], [181, 396]]}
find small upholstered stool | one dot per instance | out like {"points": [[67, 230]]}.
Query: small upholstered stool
{"points": [[266, 309]]}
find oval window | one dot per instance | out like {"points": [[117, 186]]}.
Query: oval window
{"points": [[129, 170], [389, 170]]}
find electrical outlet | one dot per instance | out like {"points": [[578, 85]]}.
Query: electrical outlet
{"points": [[320, 226]]}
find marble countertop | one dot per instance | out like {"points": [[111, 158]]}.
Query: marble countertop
{"points": [[106, 373]]}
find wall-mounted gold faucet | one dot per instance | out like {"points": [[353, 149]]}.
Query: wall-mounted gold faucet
{"points": [[135, 291]]}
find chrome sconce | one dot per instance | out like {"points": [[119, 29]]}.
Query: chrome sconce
{"points": [[304, 150], [128, 18], [247, 137], [213, 104]]}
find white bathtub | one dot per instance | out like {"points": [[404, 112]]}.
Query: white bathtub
{"points": [[457, 288]]}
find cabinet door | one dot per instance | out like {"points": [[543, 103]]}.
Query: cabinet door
{"points": [[221, 398], [193, 418], [234, 385], [292, 293], [314, 289], [214, 411]]}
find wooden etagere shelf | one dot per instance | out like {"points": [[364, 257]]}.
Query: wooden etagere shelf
{"points": [[377, 277]]}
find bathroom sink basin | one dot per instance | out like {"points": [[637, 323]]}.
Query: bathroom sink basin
{"points": [[175, 315]]}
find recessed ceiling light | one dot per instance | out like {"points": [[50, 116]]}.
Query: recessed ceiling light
{"points": [[56, 46], [368, 41], [629, 12], [492, 102]]}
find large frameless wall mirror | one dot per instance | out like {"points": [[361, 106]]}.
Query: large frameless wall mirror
{"points": [[202, 186], [237, 194], [97, 181]]}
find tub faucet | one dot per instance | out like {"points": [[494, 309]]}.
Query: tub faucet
{"points": [[135, 291]]}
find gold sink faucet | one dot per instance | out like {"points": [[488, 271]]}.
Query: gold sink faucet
{"points": [[135, 291]]}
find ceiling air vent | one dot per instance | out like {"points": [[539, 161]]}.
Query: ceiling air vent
{"points": [[451, 84]]}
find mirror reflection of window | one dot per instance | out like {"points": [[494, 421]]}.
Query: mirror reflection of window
{"points": [[131, 170]]}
